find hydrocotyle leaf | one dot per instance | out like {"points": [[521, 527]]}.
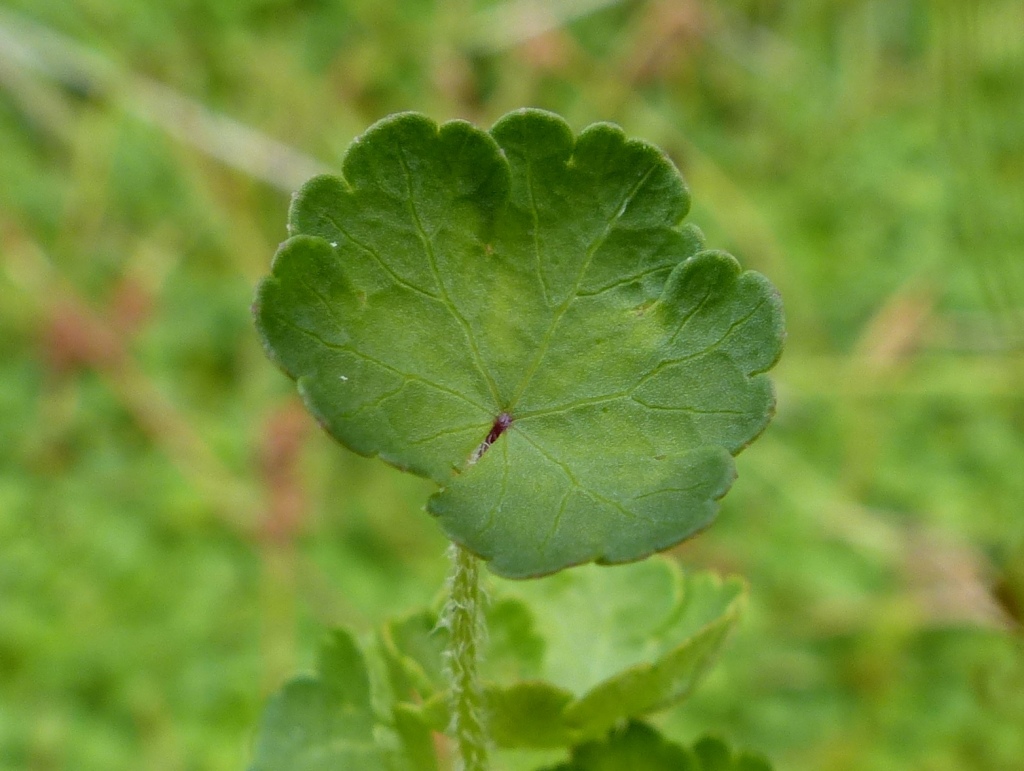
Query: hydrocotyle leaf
{"points": [[520, 316]]}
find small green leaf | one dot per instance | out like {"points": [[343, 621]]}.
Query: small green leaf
{"points": [[528, 714], [416, 738], [713, 754], [413, 649], [622, 658], [328, 722], [519, 316], [639, 747], [747, 761], [515, 647], [636, 747]]}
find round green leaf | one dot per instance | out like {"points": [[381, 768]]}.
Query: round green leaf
{"points": [[519, 316], [574, 654]]}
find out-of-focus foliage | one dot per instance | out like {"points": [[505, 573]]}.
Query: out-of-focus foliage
{"points": [[373, 706], [175, 535], [335, 721], [638, 747], [573, 655]]}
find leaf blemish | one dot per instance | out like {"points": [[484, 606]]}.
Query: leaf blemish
{"points": [[501, 425]]}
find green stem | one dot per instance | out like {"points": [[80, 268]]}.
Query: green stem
{"points": [[463, 616]]}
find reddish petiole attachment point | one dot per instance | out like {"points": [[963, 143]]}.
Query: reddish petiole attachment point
{"points": [[501, 425]]}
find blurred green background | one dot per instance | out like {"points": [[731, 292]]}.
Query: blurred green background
{"points": [[175, 534]]}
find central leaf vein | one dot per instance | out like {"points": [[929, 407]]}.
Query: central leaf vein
{"points": [[492, 514], [572, 406], [686, 319], [571, 296], [428, 249], [711, 347], [684, 408], [576, 484], [662, 490]]}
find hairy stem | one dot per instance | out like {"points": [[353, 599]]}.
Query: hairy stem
{"points": [[463, 616]]}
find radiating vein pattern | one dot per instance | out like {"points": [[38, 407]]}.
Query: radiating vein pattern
{"points": [[521, 316]]}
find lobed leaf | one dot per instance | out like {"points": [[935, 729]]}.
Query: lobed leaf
{"points": [[574, 654], [519, 316]]}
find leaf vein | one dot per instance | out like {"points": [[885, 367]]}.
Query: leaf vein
{"points": [[381, 261], [591, 251], [613, 503], [686, 319], [432, 260], [571, 406], [536, 233], [383, 365], [561, 465], [626, 280], [684, 408], [323, 301], [577, 484], [556, 521], [446, 432], [703, 351]]}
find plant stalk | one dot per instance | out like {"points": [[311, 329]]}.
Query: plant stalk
{"points": [[463, 617]]}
